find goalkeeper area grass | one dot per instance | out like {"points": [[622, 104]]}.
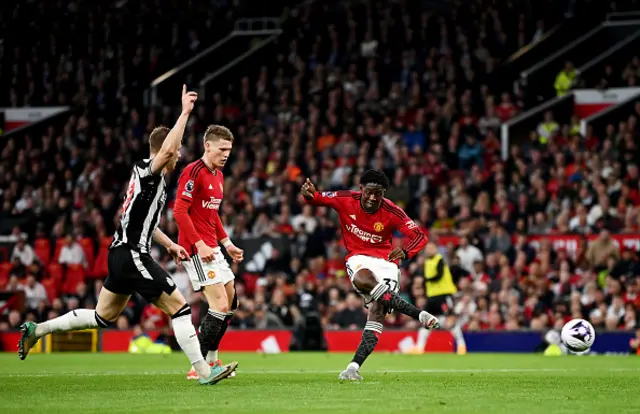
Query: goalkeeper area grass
{"points": [[307, 383]]}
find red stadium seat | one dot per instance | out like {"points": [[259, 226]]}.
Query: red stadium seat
{"points": [[89, 252], [42, 248], [74, 276], [100, 269], [52, 288], [59, 246], [5, 271], [56, 272], [250, 282]]}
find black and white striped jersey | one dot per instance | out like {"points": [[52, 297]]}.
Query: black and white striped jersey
{"points": [[143, 205]]}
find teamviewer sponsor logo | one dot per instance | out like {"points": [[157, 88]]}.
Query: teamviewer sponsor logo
{"points": [[365, 236], [212, 204]]}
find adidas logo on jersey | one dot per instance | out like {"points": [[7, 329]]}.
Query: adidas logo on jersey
{"points": [[353, 216], [210, 187]]}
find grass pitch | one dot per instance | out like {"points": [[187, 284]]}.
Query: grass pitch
{"points": [[307, 383]]}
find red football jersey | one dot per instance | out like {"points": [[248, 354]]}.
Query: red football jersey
{"points": [[198, 198], [370, 234]]}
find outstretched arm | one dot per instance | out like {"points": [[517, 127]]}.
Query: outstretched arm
{"points": [[314, 197], [173, 141]]}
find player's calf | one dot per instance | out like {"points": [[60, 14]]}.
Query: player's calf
{"points": [[212, 354], [214, 320], [368, 342], [366, 282], [186, 336]]}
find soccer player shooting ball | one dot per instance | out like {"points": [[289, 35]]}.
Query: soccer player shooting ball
{"points": [[368, 221]]}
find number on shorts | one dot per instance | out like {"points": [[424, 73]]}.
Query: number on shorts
{"points": [[393, 284]]}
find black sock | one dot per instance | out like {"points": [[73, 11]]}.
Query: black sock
{"points": [[209, 330], [223, 329], [368, 342], [391, 301]]}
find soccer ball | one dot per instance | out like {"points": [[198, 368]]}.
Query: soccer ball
{"points": [[578, 335]]}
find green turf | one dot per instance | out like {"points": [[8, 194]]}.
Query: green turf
{"points": [[307, 383]]}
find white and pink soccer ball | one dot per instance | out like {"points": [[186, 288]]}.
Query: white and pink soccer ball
{"points": [[578, 335]]}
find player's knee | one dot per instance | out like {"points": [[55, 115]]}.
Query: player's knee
{"points": [[217, 298], [222, 308], [364, 280], [170, 304]]}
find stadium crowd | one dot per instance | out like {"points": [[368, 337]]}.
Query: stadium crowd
{"points": [[374, 84]]}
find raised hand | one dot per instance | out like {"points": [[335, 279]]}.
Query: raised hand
{"points": [[188, 100], [308, 189]]}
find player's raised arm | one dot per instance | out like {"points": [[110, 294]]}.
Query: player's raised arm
{"points": [[172, 143], [314, 197]]}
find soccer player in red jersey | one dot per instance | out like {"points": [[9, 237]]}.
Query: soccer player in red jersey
{"points": [[200, 192], [368, 221]]}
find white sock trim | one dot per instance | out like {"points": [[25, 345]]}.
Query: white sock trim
{"points": [[374, 326], [379, 290], [216, 314]]}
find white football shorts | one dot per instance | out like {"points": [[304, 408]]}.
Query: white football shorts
{"points": [[384, 271], [205, 274]]}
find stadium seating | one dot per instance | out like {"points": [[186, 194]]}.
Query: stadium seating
{"points": [[74, 275], [42, 248], [348, 86], [5, 270]]}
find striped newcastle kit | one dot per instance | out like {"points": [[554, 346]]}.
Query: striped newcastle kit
{"points": [[131, 268]]}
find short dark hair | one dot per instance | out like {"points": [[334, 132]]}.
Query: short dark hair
{"points": [[218, 132], [157, 137], [374, 177]]}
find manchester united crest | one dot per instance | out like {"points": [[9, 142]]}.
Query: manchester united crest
{"points": [[211, 274], [378, 226]]}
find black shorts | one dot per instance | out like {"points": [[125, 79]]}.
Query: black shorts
{"points": [[440, 305], [132, 272]]}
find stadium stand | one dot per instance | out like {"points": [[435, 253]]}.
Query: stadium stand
{"points": [[406, 87]]}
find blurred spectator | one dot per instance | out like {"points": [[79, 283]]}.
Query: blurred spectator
{"points": [[23, 253], [34, 292], [351, 316], [468, 255], [565, 79], [72, 253], [601, 249]]}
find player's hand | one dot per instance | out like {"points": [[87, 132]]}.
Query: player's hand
{"points": [[308, 189], [178, 253], [397, 254], [204, 252], [236, 253], [188, 100]]}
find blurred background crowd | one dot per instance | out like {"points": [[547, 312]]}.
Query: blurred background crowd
{"points": [[393, 85]]}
